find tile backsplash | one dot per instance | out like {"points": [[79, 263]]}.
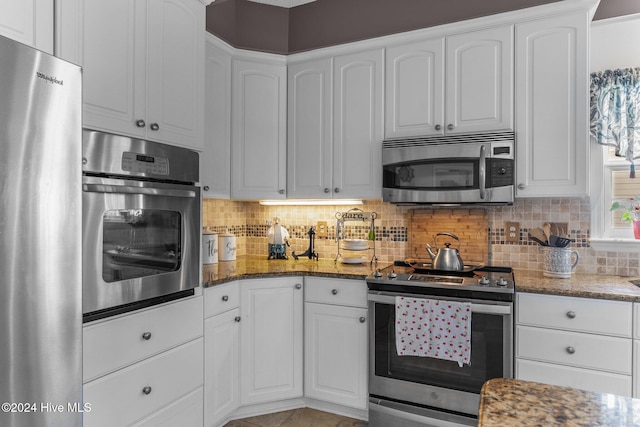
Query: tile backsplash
{"points": [[396, 228]]}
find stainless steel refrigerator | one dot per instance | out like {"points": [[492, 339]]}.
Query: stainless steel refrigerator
{"points": [[40, 239]]}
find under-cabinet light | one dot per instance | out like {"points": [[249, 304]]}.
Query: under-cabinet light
{"points": [[310, 202]]}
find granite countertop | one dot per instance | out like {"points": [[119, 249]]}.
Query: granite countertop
{"points": [[246, 267], [516, 403], [579, 285]]}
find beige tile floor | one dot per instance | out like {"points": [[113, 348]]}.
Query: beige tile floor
{"points": [[304, 417]]}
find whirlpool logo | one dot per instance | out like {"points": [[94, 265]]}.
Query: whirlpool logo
{"points": [[49, 79]]}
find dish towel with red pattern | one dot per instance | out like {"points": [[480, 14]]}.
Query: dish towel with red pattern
{"points": [[434, 328]]}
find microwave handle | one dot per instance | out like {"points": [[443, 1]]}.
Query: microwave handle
{"points": [[482, 170], [125, 189]]}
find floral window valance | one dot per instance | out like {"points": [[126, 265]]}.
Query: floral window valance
{"points": [[615, 111]]}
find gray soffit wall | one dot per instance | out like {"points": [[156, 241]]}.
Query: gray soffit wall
{"points": [[255, 26]]}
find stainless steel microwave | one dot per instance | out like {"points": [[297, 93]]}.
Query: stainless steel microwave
{"points": [[450, 170]]}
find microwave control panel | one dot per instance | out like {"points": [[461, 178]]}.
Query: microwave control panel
{"points": [[144, 164], [500, 172]]}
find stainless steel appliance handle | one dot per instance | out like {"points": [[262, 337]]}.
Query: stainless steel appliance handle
{"points": [[125, 189], [482, 171], [475, 308]]}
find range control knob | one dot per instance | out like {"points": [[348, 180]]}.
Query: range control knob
{"points": [[392, 275], [484, 281], [501, 282], [377, 274]]}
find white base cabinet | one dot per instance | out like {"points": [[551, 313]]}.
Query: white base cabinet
{"points": [[221, 352], [271, 339], [145, 367], [575, 342], [336, 344], [29, 22]]}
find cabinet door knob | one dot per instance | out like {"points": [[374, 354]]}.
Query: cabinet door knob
{"points": [[236, 319], [362, 319], [146, 390], [521, 186], [140, 123], [205, 188], [571, 350], [336, 190], [154, 126], [326, 190], [334, 291], [438, 127], [298, 286], [225, 298], [450, 126], [146, 336], [571, 314], [281, 191]]}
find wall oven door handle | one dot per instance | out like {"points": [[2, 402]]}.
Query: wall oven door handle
{"points": [[475, 308], [124, 189]]}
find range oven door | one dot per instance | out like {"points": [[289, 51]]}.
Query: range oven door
{"points": [[433, 382], [140, 241]]}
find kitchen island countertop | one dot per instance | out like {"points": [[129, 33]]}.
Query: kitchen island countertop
{"points": [[516, 403]]}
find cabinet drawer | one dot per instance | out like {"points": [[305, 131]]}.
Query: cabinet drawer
{"points": [[575, 349], [185, 412], [120, 399], [567, 376], [336, 291], [575, 314], [114, 344], [221, 298]]}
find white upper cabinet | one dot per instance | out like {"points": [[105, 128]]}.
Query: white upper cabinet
{"points": [[449, 85], [335, 127], [28, 21], [215, 160], [552, 106], [258, 123], [310, 143], [358, 124], [415, 89], [143, 66]]}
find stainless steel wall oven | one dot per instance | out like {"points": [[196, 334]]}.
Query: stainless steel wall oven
{"points": [[411, 391], [141, 224]]}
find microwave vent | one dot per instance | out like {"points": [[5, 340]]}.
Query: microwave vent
{"points": [[450, 139]]}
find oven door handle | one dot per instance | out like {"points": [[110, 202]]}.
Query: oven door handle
{"points": [[475, 308], [125, 189]]}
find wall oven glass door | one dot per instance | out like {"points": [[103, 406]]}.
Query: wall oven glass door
{"points": [[434, 382], [137, 241]]}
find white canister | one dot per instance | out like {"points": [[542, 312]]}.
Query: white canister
{"points": [[227, 247], [209, 248]]}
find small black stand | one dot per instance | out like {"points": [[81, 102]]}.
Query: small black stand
{"points": [[310, 252]]}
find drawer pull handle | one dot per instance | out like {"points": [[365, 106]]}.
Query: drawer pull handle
{"points": [[362, 319], [146, 390], [334, 292], [571, 350], [237, 319], [571, 314], [146, 336], [225, 298]]}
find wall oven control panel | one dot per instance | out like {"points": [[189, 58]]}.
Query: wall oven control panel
{"points": [[142, 163]]}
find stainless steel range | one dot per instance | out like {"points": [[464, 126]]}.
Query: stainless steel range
{"points": [[411, 391]]}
